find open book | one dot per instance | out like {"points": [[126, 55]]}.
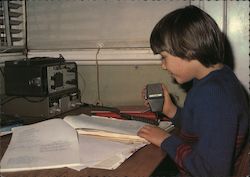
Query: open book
{"points": [[110, 128], [54, 143], [116, 129]]}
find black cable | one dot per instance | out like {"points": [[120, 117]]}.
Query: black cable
{"points": [[35, 101], [124, 116], [102, 108], [26, 31], [27, 99], [2, 72], [84, 83], [8, 100], [138, 118]]}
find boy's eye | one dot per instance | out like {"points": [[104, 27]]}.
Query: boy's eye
{"points": [[163, 58]]}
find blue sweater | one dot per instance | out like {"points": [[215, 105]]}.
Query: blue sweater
{"points": [[214, 126]]}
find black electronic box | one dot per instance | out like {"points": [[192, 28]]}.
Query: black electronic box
{"points": [[39, 76]]}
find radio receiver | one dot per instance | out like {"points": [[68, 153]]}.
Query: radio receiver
{"points": [[40, 76]]}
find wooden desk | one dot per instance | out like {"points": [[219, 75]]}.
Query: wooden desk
{"points": [[141, 164]]}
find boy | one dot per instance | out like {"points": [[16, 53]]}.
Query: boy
{"points": [[214, 118]]}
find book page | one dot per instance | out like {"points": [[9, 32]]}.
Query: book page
{"points": [[49, 144], [102, 153], [128, 127], [125, 138], [129, 139], [117, 159], [119, 126]]}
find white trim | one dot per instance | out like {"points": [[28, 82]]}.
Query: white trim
{"points": [[121, 56]]}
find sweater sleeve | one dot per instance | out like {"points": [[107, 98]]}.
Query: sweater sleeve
{"points": [[216, 125]]}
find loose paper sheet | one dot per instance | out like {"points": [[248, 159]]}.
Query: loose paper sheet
{"points": [[49, 144], [102, 153]]}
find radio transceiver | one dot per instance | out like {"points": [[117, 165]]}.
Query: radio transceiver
{"points": [[47, 107], [40, 76]]}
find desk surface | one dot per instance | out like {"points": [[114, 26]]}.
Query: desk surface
{"points": [[142, 163]]}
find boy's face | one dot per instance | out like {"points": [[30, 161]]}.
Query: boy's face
{"points": [[182, 70]]}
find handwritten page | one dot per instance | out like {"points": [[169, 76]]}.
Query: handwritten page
{"points": [[49, 144]]}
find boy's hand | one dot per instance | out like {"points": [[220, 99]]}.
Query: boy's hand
{"points": [[153, 134], [143, 95], [169, 108]]}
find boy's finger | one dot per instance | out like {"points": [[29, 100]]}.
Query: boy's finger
{"points": [[165, 90]]}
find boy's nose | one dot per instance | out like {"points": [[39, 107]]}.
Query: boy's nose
{"points": [[163, 66]]}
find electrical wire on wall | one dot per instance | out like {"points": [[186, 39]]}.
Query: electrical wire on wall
{"points": [[249, 52], [224, 25], [98, 102], [84, 84]]}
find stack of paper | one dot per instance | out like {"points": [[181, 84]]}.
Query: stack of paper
{"points": [[102, 143], [49, 144]]}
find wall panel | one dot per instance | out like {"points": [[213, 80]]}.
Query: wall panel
{"points": [[68, 24]]}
